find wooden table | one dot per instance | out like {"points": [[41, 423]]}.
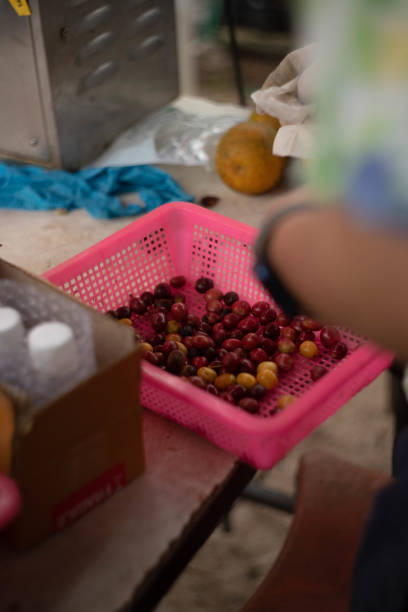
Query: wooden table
{"points": [[127, 551]]}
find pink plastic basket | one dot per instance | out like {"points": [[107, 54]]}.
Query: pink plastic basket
{"points": [[180, 238]]}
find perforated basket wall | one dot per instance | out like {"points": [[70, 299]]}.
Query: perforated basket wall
{"points": [[181, 238]]}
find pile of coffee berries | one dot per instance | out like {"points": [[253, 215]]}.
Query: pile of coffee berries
{"points": [[235, 351]]}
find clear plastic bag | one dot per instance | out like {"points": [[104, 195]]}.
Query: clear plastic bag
{"points": [[171, 136], [190, 139]]}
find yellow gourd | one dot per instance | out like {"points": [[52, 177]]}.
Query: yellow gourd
{"points": [[244, 158]]}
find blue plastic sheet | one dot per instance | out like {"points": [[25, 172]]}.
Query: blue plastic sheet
{"points": [[95, 189]]}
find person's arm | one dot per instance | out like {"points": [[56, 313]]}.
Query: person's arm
{"points": [[344, 274]]}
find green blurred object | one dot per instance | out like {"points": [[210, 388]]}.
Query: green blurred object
{"points": [[209, 29], [362, 91]]}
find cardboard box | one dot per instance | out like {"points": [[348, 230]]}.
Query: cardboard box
{"points": [[78, 450]]}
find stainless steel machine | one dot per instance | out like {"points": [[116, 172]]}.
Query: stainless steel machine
{"points": [[77, 72]]}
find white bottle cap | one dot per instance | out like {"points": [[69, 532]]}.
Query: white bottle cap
{"points": [[52, 349], [11, 329]]}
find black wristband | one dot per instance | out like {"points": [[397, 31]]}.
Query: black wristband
{"points": [[263, 269]]}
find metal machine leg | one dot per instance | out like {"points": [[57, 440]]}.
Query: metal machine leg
{"points": [[269, 497]]}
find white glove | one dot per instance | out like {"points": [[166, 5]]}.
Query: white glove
{"points": [[287, 95]]}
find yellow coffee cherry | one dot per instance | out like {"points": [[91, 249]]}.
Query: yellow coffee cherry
{"points": [[126, 322], [175, 337], [145, 346], [246, 380], [172, 327], [267, 378], [182, 347], [223, 381], [268, 365], [207, 374], [308, 349], [285, 400]]}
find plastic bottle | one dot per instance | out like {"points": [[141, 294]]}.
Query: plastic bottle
{"points": [[56, 360], [11, 330], [14, 367], [52, 350]]}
